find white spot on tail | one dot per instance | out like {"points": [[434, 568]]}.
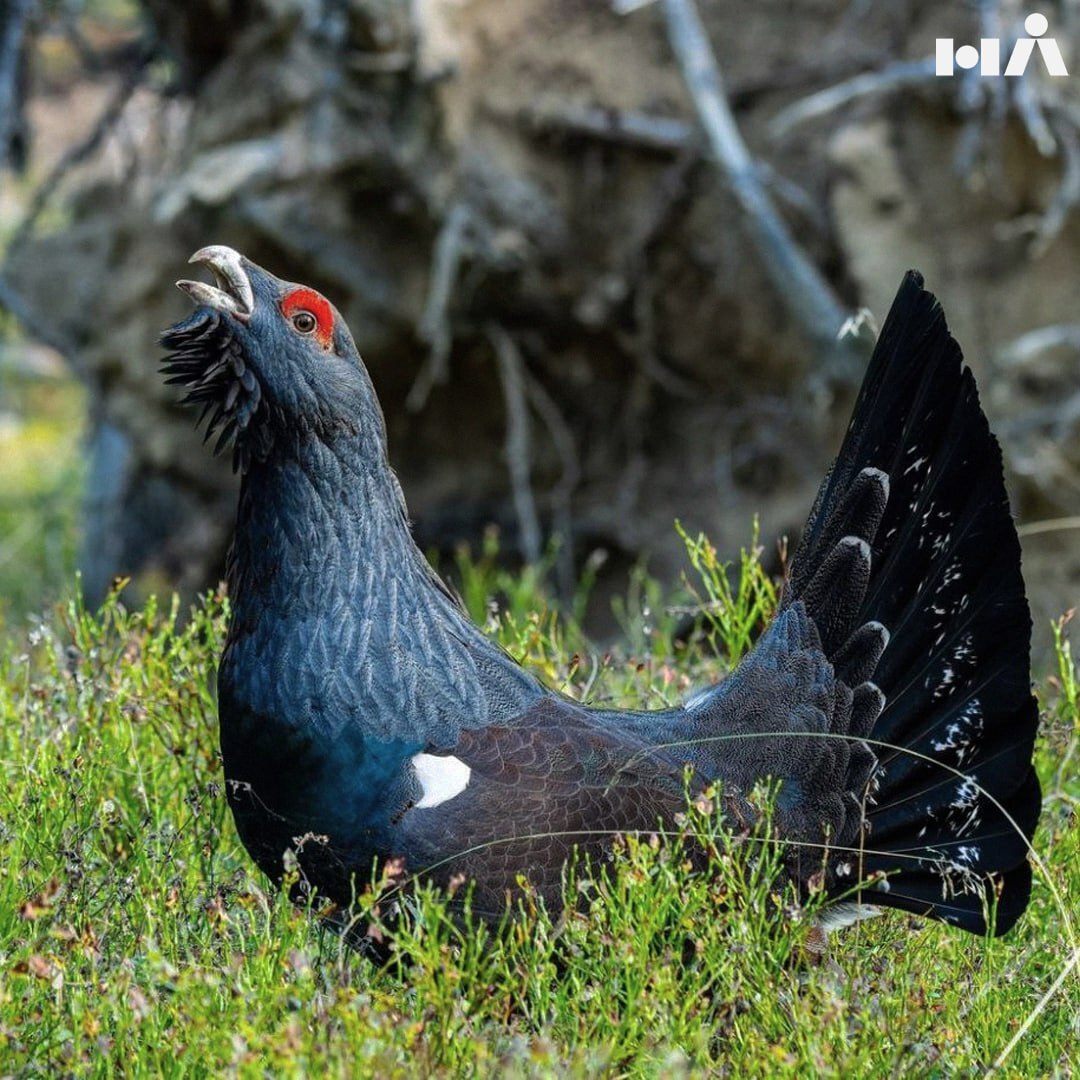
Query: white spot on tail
{"points": [[969, 854], [963, 814], [441, 778]]}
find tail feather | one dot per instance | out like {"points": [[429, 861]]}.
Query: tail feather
{"points": [[924, 893], [910, 569]]}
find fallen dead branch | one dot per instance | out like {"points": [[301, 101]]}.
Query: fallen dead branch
{"points": [[434, 327], [12, 32], [889, 79], [797, 281], [511, 369]]}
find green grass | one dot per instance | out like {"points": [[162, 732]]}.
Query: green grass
{"points": [[137, 940], [41, 475]]}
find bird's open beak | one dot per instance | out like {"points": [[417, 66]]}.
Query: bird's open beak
{"points": [[233, 294]]}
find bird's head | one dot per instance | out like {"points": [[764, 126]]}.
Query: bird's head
{"points": [[268, 360]]}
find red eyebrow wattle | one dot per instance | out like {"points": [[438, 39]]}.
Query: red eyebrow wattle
{"points": [[319, 306]]}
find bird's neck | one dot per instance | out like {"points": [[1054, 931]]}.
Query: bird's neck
{"points": [[331, 594], [321, 523]]}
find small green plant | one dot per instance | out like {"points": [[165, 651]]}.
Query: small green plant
{"points": [[1064, 733], [1069, 691], [734, 614], [137, 940]]}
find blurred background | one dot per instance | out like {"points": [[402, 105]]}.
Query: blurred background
{"points": [[586, 315]]}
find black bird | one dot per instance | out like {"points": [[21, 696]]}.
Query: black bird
{"points": [[364, 718]]}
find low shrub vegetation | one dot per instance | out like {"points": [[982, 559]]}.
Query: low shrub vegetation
{"points": [[136, 938]]}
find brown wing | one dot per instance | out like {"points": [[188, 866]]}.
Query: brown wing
{"points": [[555, 778]]}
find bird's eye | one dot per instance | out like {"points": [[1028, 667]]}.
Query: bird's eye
{"points": [[304, 322]]}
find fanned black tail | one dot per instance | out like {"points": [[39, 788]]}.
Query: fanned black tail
{"points": [[910, 568]]}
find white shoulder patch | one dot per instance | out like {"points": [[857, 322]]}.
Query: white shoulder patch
{"points": [[441, 778]]}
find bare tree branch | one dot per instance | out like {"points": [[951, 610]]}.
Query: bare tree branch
{"points": [[562, 494], [1037, 528], [434, 325], [79, 153], [619, 126], [512, 376], [1020, 350], [11, 37], [642, 343], [894, 77], [795, 278], [1068, 192], [39, 329], [1058, 418]]}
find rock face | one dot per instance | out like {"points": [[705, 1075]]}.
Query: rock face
{"points": [[509, 203]]}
